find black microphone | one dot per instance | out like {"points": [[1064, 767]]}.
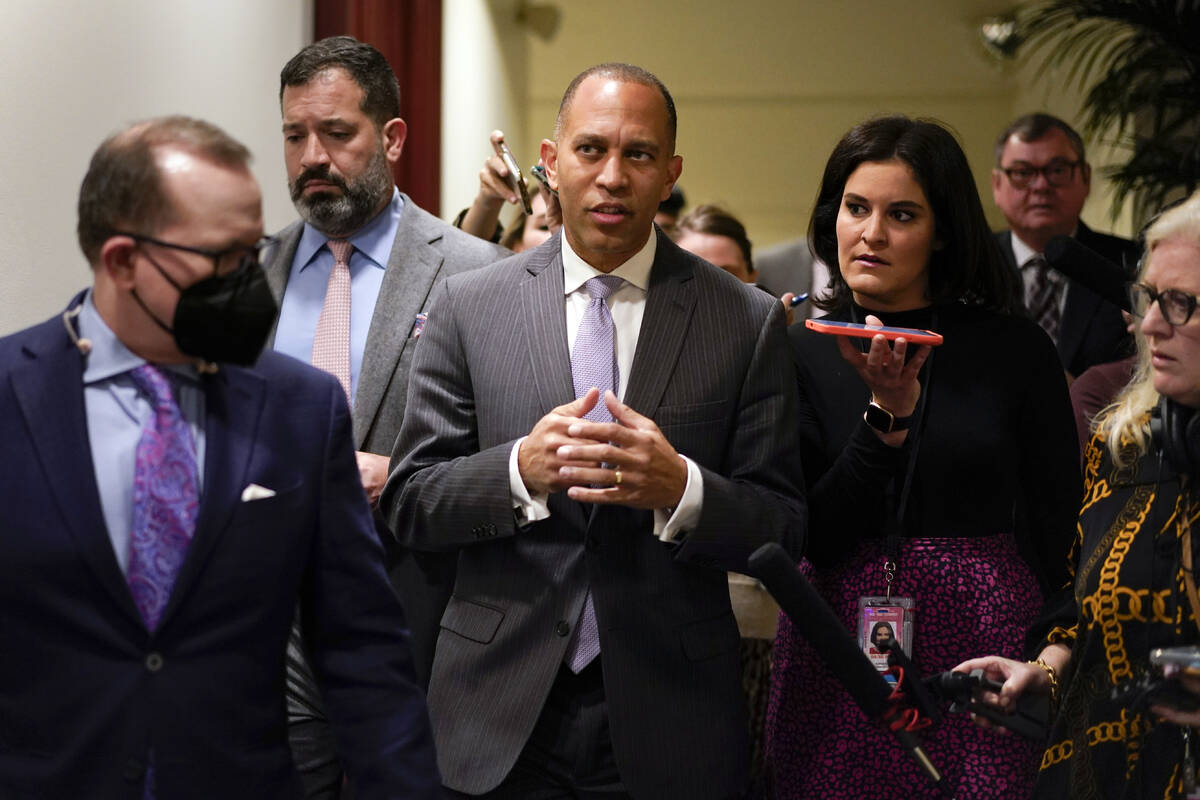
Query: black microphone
{"points": [[812, 617], [1030, 718], [1093, 271]]}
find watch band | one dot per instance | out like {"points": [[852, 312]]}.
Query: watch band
{"points": [[885, 421]]}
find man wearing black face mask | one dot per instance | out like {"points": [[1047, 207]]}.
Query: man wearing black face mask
{"points": [[166, 510]]}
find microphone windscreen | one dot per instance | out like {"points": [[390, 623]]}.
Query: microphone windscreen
{"points": [[813, 619], [1087, 267]]}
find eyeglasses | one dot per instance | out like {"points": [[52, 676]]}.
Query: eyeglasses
{"points": [[1057, 173], [1175, 306], [225, 262]]}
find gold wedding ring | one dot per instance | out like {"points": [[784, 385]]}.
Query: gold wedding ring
{"points": [[618, 477]]}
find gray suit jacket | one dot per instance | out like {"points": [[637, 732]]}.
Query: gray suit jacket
{"points": [[785, 267], [712, 370], [424, 252]]}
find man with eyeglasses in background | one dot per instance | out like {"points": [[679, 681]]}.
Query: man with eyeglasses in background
{"points": [[1040, 183]]}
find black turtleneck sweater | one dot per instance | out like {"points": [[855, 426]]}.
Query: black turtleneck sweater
{"points": [[997, 453]]}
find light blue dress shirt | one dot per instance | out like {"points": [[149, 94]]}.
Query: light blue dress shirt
{"points": [[116, 412], [305, 292]]}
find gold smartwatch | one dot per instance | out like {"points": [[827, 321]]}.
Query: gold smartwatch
{"points": [[883, 420]]}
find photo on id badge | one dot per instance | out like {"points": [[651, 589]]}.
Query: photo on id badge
{"points": [[883, 620]]}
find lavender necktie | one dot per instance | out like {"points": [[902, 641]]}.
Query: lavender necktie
{"points": [[593, 363], [165, 498]]}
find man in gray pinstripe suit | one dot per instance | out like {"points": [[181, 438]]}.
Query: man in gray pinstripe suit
{"points": [[585, 523]]}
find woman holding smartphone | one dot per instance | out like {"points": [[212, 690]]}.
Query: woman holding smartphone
{"points": [[1133, 562], [941, 481]]}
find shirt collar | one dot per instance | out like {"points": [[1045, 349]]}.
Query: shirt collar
{"points": [[636, 270], [108, 356], [374, 240], [1022, 252]]}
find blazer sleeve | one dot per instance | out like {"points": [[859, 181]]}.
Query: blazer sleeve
{"points": [[357, 639], [436, 462], [757, 495]]}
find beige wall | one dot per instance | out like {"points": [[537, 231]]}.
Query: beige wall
{"points": [[764, 88], [75, 72], [484, 69]]}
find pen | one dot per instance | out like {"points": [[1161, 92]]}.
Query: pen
{"points": [[798, 299]]}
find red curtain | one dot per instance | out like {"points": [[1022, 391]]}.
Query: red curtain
{"points": [[409, 34]]}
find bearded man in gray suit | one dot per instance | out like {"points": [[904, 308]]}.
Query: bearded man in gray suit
{"points": [[342, 134], [589, 647]]}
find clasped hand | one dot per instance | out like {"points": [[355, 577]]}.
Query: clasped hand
{"points": [[629, 459]]}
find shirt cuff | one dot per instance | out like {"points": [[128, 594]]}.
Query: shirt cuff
{"points": [[526, 508], [669, 523]]}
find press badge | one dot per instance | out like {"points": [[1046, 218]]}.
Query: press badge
{"points": [[881, 618]]}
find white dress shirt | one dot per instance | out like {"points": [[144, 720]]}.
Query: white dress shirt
{"points": [[626, 305]]}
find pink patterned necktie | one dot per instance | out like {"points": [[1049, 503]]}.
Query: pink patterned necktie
{"points": [[166, 498], [593, 363], [331, 343]]}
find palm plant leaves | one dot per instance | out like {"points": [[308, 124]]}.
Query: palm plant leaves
{"points": [[1142, 61]]}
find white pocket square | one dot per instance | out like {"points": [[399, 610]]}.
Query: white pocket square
{"points": [[256, 492]]}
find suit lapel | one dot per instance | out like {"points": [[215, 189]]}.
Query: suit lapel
{"points": [[1081, 305], [670, 301], [544, 317], [49, 392], [233, 401], [412, 267], [277, 265]]}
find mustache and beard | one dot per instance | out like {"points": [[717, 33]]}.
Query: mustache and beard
{"points": [[339, 215]]}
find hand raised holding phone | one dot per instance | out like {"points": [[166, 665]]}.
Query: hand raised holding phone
{"points": [[500, 182], [887, 371]]}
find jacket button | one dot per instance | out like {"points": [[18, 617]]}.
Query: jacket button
{"points": [[154, 662], [133, 770], [562, 628]]}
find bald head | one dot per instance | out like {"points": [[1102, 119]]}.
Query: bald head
{"points": [[123, 187]]}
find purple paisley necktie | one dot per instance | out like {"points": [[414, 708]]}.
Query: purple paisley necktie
{"points": [[165, 498]]}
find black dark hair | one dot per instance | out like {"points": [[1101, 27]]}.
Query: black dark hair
{"points": [[626, 73], [882, 624], [1032, 127], [968, 265], [362, 62], [675, 201]]}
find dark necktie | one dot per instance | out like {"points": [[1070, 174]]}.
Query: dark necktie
{"points": [[593, 363], [1043, 297]]}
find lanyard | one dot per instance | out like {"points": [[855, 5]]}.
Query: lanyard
{"points": [[891, 545]]}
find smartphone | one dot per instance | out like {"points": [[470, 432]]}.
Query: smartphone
{"points": [[1186, 659], [914, 335], [515, 179], [539, 172]]}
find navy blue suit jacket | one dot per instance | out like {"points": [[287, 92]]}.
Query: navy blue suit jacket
{"points": [[88, 691], [1092, 330]]}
